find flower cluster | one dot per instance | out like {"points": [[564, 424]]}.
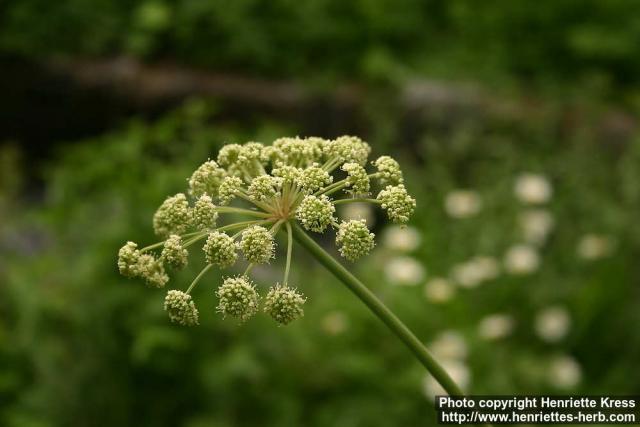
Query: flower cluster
{"points": [[294, 183]]}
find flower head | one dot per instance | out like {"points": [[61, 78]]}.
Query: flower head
{"points": [[152, 271], [204, 215], [173, 253], [173, 216], [257, 244], [265, 187], [389, 171], [206, 179], [291, 185], [354, 239], [228, 189], [357, 178], [315, 213], [313, 179], [220, 249], [284, 304], [128, 258], [180, 308], [397, 202], [238, 298]]}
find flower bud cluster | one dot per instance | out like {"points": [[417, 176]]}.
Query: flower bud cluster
{"points": [[133, 263], [265, 187], [284, 304], [173, 216], [220, 249], [354, 239], [315, 213], [238, 298], [229, 187], [173, 253], [389, 170], [206, 179], [313, 179], [257, 244], [204, 215], [357, 179], [397, 202], [180, 308]]}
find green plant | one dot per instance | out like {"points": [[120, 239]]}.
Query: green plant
{"points": [[292, 179]]}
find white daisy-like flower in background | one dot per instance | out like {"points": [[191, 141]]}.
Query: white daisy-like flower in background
{"points": [[595, 246], [449, 344], [496, 326], [462, 203], [521, 259], [564, 372], [552, 324], [335, 323], [401, 238], [475, 271], [536, 224], [439, 290], [532, 188], [404, 271], [457, 370], [363, 210]]}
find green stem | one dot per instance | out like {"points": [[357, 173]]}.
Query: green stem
{"points": [[289, 248], [198, 277], [229, 209], [380, 310], [338, 202]]}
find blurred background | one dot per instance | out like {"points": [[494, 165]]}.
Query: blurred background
{"points": [[517, 127]]}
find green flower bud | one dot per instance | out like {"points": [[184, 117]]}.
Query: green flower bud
{"points": [[152, 271], [284, 304], [313, 178], [348, 149], [397, 202], [265, 187], [357, 178], [229, 154], [173, 253], [297, 151], [206, 179], [389, 169], [228, 189], [128, 258], [288, 174], [204, 215], [173, 216], [257, 244], [238, 298], [180, 308], [315, 213], [220, 249], [354, 239]]}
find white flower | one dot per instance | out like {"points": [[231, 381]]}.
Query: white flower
{"points": [[449, 344], [532, 188], [521, 259], [457, 370], [595, 246], [473, 272], [564, 372], [335, 323], [357, 211], [401, 238], [439, 290], [463, 203], [495, 326], [404, 271], [552, 324], [536, 224]]}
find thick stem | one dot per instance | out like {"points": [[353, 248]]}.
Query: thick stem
{"points": [[380, 310], [289, 248]]}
